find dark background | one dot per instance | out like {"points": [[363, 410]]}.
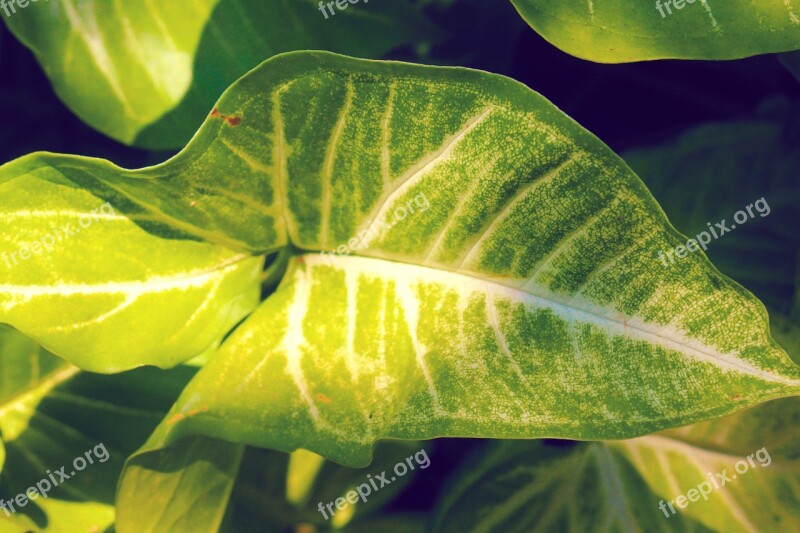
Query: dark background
{"points": [[625, 105]]}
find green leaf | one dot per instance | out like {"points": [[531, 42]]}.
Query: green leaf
{"points": [[712, 172], [329, 481], [427, 354], [145, 72], [621, 31], [285, 492], [707, 174], [539, 278], [29, 373], [518, 292], [185, 487], [613, 486], [775, 425], [86, 265], [51, 414]]}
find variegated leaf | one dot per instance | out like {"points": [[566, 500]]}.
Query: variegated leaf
{"points": [[513, 286], [710, 173], [351, 352], [630, 485]]}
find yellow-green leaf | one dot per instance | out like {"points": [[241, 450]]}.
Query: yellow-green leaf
{"points": [[515, 291], [620, 31]]}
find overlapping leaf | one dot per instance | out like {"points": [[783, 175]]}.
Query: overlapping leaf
{"points": [[620, 31], [277, 492], [51, 413], [516, 486], [511, 230], [181, 488], [706, 175], [107, 278], [187, 487], [145, 72]]}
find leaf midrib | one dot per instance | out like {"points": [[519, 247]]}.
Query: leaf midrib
{"points": [[38, 388], [666, 442], [156, 284], [552, 301]]}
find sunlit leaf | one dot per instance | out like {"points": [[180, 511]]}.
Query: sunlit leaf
{"points": [[619, 31], [86, 268], [517, 291], [145, 72]]}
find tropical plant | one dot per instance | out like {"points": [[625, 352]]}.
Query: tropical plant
{"points": [[351, 258]]}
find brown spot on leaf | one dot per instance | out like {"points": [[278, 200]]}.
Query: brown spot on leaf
{"points": [[321, 397], [231, 120], [194, 412]]}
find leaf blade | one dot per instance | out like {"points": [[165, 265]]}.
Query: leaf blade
{"points": [[401, 377], [87, 266], [53, 414], [621, 484], [619, 32], [551, 254]]}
